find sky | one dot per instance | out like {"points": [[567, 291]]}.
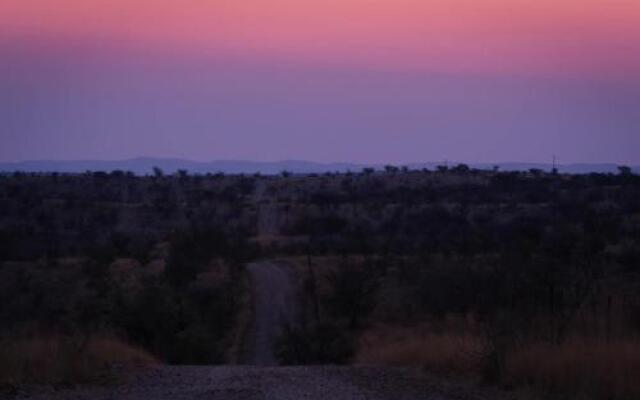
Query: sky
{"points": [[321, 80]]}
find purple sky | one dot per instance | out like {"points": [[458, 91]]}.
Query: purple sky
{"points": [[62, 102]]}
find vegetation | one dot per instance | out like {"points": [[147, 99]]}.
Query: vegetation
{"points": [[512, 277], [148, 261], [61, 360], [527, 260]]}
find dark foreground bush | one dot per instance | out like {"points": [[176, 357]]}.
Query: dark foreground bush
{"points": [[322, 344]]}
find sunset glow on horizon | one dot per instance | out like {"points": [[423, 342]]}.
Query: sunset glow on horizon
{"points": [[390, 80], [590, 38]]}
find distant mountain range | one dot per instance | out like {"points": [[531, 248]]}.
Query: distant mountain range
{"points": [[142, 166]]}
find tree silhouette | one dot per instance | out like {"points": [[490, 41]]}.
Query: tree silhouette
{"points": [[158, 172]]}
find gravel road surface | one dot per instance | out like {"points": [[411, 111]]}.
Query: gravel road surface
{"points": [[283, 383]]}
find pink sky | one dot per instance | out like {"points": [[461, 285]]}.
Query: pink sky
{"points": [[322, 80], [566, 38]]}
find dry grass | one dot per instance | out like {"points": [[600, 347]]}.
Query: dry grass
{"points": [[56, 359], [451, 353], [585, 368], [577, 368]]}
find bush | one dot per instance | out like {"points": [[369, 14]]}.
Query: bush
{"points": [[354, 289], [322, 344]]}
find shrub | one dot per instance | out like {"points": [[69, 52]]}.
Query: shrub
{"points": [[321, 344]]}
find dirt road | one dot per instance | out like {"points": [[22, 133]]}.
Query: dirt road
{"points": [[274, 297], [274, 303]]}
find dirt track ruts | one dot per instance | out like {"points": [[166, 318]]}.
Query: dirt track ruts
{"points": [[274, 303]]}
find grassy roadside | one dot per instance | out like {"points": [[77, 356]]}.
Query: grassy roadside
{"points": [[579, 367], [66, 360]]}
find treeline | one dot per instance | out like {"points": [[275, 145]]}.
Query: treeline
{"points": [[111, 214], [454, 212]]}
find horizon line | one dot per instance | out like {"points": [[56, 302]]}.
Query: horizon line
{"points": [[294, 160]]}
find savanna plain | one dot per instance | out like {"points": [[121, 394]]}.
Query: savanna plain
{"points": [[453, 283]]}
